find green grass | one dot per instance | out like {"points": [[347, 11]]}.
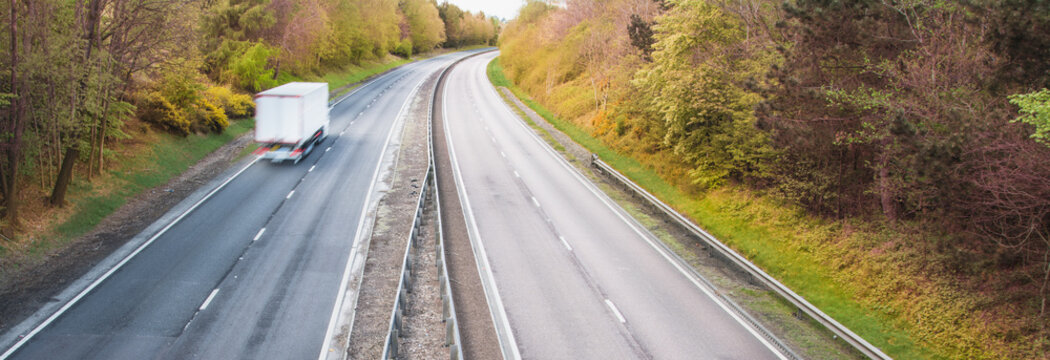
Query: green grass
{"points": [[730, 215], [168, 157], [495, 73], [348, 75]]}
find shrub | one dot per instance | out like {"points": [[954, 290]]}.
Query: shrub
{"points": [[157, 110], [210, 118], [233, 104], [403, 48], [250, 68]]}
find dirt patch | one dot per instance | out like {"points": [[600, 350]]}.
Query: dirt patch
{"points": [[393, 223], [25, 290]]}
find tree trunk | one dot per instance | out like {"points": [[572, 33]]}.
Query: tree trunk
{"points": [[11, 200], [91, 151], [104, 122], [276, 71], [102, 146], [886, 198], [594, 87], [65, 175], [10, 176], [1042, 288]]}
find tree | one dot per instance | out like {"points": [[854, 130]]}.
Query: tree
{"points": [[133, 36], [697, 79], [452, 16], [14, 123], [1035, 111], [425, 27], [1018, 32], [641, 34], [464, 28]]}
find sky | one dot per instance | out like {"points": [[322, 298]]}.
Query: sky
{"points": [[504, 9]]}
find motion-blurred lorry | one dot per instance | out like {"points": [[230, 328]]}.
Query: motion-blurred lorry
{"points": [[290, 120]]}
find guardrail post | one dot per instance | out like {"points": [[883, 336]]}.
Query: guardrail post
{"points": [[407, 279], [393, 344], [453, 353], [403, 298], [444, 306], [757, 275], [410, 265], [450, 332], [398, 317]]}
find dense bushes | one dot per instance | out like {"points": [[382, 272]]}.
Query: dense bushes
{"points": [[463, 28], [156, 109], [181, 105], [199, 116], [249, 43], [76, 66], [892, 111], [234, 105]]}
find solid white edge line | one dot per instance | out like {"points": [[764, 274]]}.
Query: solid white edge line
{"points": [[605, 200], [116, 267], [360, 223], [615, 311], [352, 92], [259, 235], [208, 300], [566, 243], [497, 310], [535, 202], [21, 342]]}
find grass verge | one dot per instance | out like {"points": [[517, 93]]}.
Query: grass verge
{"points": [[163, 159], [342, 81], [770, 234], [150, 161]]}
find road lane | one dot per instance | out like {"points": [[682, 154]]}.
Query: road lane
{"points": [[577, 277], [276, 293]]}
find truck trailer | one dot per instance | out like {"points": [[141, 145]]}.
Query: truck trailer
{"points": [[290, 120]]}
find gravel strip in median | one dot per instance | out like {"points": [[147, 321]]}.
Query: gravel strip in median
{"points": [[390, 232], [423, 332]]}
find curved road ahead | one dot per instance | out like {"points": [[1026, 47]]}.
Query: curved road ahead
{"points": [[215, 286], [577, 278]]}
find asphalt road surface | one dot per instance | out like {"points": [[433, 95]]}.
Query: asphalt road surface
{"points": [[215, 286], [575, 276]]}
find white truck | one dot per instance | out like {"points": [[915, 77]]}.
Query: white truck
{"points": [[290, 120]]}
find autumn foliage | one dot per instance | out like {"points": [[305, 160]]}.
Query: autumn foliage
{"points": [[923, 114], [77, 71]]}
